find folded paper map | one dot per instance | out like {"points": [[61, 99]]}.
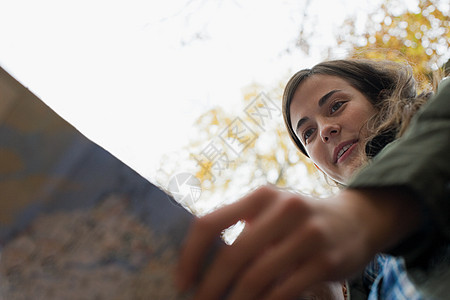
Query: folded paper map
{"points": [[76, 222]]}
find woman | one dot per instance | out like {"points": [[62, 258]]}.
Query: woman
{"points": [[340, 114], [365, 105]]}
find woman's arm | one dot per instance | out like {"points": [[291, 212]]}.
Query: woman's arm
{"points": [[419, 163], [291, 242]]}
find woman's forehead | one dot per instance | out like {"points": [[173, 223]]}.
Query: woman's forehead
{"points": [[320, 83], [309, 92]]}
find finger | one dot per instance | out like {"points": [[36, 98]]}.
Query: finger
{"points": [[310, 273], [266, 228], [272, 225], [275, 263], [206, 229], [330, 290]]}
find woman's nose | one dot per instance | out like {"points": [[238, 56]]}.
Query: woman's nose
{"points": [[328, 132]]}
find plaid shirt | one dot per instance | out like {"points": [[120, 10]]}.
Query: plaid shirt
{"points": [[387, 278]]}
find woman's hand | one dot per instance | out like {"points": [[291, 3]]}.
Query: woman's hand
{"points": [[290, 243]]}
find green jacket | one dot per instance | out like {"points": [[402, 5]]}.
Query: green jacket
{"points": [[420, 161]]}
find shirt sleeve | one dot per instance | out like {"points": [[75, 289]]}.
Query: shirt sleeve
{"points": [[420, 162]]}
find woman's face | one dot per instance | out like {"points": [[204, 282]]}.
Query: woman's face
{"points": [[329, 115]]}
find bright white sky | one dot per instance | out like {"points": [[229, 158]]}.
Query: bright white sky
{"points": [[130, 75]]}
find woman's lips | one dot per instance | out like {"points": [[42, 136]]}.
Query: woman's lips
{"points": [[344, 150]]}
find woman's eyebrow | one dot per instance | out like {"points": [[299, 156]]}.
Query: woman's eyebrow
{"points": [[300, 123], [327, 96], [321, 103]]}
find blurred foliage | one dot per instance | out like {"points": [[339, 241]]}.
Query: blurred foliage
{"points": [[234, 152], [419, 35]]}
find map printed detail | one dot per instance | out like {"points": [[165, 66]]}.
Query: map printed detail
{"points": [[76, 222]]}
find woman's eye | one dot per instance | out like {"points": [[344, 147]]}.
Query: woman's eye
{"points": [[336, 106], [307, 134]]}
